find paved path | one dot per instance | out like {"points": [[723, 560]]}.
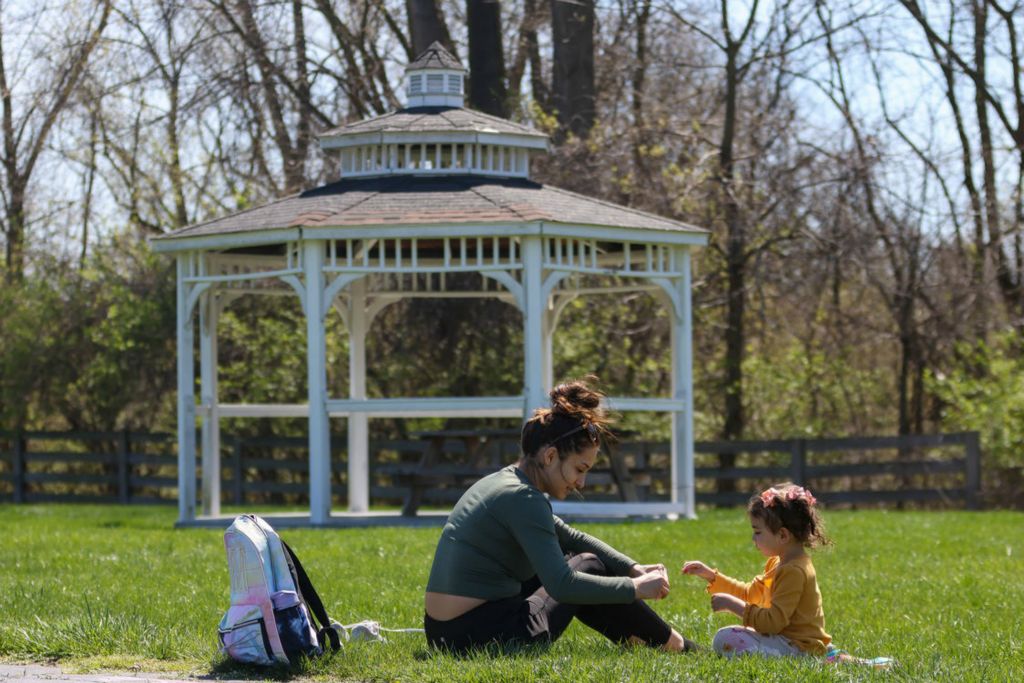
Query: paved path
{"points": [[21, 673]]}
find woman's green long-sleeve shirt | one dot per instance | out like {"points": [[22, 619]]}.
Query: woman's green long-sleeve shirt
{"points": [[502, 532]]}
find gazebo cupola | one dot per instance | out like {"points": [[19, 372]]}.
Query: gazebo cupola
{"points": [[435, 79], [434, 134], [426, 192]]}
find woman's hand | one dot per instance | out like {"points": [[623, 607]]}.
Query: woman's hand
{"points": [[652, 585], [641, 569], [723, 602], [699, 569]]}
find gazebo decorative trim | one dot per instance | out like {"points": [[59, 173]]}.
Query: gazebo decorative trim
{"points": [[467, 137], [390, 230]]}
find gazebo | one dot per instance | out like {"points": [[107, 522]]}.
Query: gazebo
{"points": [[425, 192]]}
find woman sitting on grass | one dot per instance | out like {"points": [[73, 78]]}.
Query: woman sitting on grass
{"points": [[508, 571], [781, 608]]}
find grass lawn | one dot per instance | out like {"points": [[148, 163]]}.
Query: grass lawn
{"points": [[111, 587]]}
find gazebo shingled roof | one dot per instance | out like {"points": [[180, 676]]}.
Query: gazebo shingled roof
{"points": [[431, 189], [435, 119], [392, 200], [435, 57]]}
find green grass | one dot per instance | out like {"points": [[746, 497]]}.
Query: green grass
{"points": [[117, 588]]}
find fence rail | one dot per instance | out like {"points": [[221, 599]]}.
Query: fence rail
{"points": [[135, 467]]}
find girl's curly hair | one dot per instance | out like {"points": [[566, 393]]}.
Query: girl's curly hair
{"points": [[791, 507]]}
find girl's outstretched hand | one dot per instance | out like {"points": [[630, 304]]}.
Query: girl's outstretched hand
{"points": [[699, 569]]}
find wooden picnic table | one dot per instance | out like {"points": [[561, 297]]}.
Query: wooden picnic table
{"points": [[431, 470]]}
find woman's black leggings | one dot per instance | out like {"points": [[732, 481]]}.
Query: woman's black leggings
{"points": [[535, 617]]}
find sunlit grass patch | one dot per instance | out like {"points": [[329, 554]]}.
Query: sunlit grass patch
{"points": [[118, 588]]}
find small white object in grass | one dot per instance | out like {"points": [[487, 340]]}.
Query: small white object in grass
{"points": [[1009, 551], [364, 630]]}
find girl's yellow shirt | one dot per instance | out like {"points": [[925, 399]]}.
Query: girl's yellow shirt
{"points": [[784, 600]]}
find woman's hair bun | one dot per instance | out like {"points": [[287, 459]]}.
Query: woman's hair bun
{"points": [[576, 398], [575, 420]]}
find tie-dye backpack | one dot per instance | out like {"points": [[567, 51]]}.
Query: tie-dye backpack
{"points": [[273, 603]]}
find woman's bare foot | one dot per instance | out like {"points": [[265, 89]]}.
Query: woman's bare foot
{"points": [[676, 643]]}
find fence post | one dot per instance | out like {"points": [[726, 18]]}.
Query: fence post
{"points": [[798, 461], [972, 467], [122, 466], [18, 466], [236, 474]]}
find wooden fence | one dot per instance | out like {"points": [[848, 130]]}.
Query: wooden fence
{"points": [[132, 467], [914, 475]]}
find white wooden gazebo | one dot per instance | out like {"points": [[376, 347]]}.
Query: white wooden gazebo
{"points": [[425, 192]]}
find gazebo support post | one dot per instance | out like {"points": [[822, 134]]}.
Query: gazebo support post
{"points": [[186, 398], [358, 423], [533, 324], [683, 489], [316, 358], [549, 356], [209, 314]]}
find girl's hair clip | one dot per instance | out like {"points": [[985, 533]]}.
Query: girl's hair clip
{"points": [[769, 496], [800, 493]]}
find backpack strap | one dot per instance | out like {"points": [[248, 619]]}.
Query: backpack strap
{"points": [[308, 595]]}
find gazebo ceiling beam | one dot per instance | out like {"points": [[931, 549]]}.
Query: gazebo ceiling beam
{"points": [[555, 284], [487, 271], [439, 268], [480, 406], [242, 277]]}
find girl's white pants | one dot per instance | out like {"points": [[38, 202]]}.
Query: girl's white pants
{"points": [[739, 640]]}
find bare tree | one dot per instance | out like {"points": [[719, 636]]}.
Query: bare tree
{"points": [[895, 236], [34, 95], [997, 239], [363, 78], [742, 49], [162, 45], [284, 85]]}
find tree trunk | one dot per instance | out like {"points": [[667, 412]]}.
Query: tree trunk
{"points": [[486, 59], [641, 136], [538, 86], [174, 143], [1009, 286], [90, 181], [573, 87], [15, 235], [426, 25], [735, 264], [526, 48], [977, 258], [303, 132]]}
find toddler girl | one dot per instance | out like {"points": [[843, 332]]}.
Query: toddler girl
{"points": [[781, 608]]}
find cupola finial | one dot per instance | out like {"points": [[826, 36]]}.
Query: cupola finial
{"points": [[435, 79]]}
